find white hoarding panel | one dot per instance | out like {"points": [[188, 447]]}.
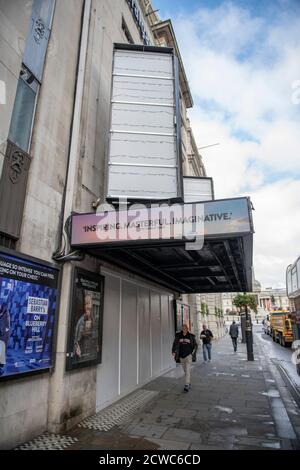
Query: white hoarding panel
{"points": [[143, 63], [138, 118], [197, 189], [143, 156], [158, 182], [145, 150], [151, 90]]}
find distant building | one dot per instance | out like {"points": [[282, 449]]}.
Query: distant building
{"points": [[230, 310], [270, 298]]}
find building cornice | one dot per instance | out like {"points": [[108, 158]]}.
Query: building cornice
{"points": [[164, 29]]}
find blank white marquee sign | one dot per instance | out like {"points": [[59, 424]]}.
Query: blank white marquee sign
{"points": [[143, 157], [197, 189]]}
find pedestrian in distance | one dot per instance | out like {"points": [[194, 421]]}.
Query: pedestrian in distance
{"points": [[206, 336], [234, 333], [184, 349]]}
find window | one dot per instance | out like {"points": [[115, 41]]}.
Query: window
{"points": [[294, 279], [38, 36], [23, 111], [31, 73], [298, 273], [126, 32]]}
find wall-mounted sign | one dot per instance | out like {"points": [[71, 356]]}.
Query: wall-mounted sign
{"points": [[144, 156], [138, 17], [169, 222], [28, 303], [227, 216], [197, 189], [86, 319]]}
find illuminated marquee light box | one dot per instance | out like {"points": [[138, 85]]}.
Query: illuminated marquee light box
{"points": [[212, 218], [144, 156]]}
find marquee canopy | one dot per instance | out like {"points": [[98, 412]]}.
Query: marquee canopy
{"points": [[201, 247]]}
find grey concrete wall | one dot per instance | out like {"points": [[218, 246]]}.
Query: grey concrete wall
{"points": [[50, 139], [24, 402], [23, 409]]}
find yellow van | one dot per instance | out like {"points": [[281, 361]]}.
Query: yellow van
{"points": [[281, 327]]}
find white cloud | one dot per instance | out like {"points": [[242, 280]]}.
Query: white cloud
{"points": [[217, 27], [241, 70], [280, 146], [228, 162], [277, 238]]}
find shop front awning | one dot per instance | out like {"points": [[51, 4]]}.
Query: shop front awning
{"points": [[212, 254]]}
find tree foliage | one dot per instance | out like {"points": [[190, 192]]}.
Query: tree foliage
{"points": [[218, 312], [245, 300]]}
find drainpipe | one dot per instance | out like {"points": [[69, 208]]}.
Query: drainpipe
{"points": [[71, 178]]}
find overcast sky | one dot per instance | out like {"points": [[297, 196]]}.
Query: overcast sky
{"points": [[242, 60]]}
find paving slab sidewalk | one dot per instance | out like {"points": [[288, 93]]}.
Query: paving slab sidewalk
{"points": [[232, 404]]}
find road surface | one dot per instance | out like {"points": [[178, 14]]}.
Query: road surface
{"points": [[281, 357]]}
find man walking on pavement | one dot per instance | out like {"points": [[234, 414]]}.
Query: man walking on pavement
{"points": [[183, 349], [234, 333], [206, 336]]}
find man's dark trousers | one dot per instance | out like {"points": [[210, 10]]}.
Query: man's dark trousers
{"points": [[234, 342]]}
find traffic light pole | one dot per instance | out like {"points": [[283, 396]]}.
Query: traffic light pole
{"points": [[249, 336]]}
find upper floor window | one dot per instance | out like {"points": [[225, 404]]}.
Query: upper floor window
{"points": [[38, 36], [23, 110], [31, 73]]}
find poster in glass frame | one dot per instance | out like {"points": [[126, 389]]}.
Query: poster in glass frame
{"points": [[86, 320], [29, 298]]}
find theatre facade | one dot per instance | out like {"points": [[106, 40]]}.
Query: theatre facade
{"points": [[109, 225]]}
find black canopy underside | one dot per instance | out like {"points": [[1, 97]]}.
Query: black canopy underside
{"points": [[222, 265]]}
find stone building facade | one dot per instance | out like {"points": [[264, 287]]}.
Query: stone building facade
{"points": [[54, 125]]}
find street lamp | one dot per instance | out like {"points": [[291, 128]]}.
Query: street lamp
{"points": [[249, 336], [242, 301]]}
